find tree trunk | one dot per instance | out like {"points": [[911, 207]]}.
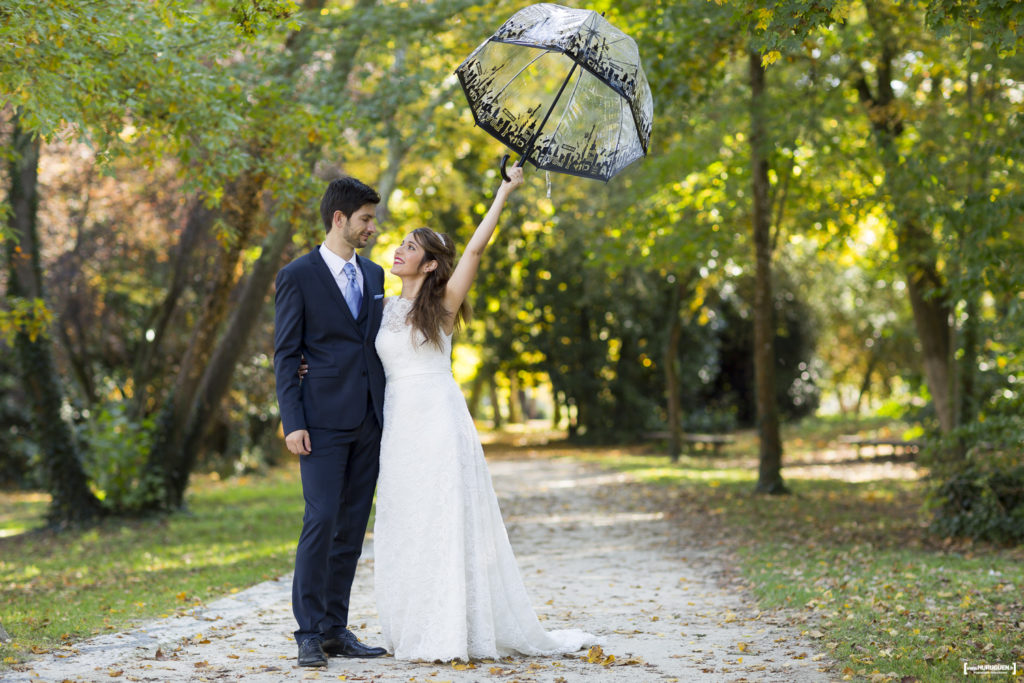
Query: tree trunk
{"points": [[220, 370], [72, 501], [492, 385], [557, 398], [168, 461], [671, 363], [926, 286], [476, 390], [198, 223], [515, 404], [932, 316], [769, 479], [865, 385]]}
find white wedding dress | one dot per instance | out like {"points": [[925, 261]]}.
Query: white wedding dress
{"points": [[446, 581]]}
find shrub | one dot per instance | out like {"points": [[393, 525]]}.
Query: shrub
{"points": [[115, 457], [982, 495]]}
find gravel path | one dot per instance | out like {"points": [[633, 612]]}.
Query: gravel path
{"points": [[595, 553]]}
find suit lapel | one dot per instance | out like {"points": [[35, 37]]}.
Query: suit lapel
{"points": [[327, 279], [371, 289]]}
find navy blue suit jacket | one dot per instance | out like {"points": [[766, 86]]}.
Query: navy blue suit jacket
{"points": [[312, 319]]}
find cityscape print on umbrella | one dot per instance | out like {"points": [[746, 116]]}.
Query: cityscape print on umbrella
{"points": [[599, 127]]}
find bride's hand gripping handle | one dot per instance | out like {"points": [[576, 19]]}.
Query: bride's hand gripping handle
{"points": [[514, 180]]}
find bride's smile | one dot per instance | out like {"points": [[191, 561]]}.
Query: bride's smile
{"points": [[408, 257]]}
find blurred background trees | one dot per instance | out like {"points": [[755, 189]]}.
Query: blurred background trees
{"points": [[161, 163]]}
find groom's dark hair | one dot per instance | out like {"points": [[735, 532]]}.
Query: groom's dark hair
{"points": [[346, 194]]}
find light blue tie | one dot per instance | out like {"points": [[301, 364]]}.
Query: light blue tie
{"points": [[353, 297]]}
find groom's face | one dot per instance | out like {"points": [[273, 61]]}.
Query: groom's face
{"points": [[358, 228]]}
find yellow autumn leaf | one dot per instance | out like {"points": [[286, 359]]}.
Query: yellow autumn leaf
{"points": [[770, 57]]}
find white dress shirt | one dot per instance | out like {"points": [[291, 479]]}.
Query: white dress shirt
{"points": [[336, 264]]}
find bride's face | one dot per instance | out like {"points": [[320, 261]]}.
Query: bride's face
{"points": [[409, 257]]}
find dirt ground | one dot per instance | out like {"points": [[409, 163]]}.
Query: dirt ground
{"points": [[596, 553]]}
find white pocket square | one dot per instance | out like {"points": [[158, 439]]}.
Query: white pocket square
{"points": [[377, 297]]}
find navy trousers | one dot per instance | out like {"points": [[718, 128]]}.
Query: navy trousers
{"points": [[338, 479]]}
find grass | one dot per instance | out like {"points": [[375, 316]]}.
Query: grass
{"points": [[21, 511], [61, 588], [851, 562]]}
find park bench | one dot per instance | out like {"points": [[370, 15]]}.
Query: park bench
{"points": [[696, 442], [894, 446]]}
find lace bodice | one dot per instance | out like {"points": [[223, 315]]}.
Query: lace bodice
{"points": [[405, 352]]}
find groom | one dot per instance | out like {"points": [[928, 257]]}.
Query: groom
{"points": [[327, 308]]}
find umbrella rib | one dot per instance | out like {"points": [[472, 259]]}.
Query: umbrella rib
{"points": [[566, 110], [527, 66], [558, 95], [618, 137]]}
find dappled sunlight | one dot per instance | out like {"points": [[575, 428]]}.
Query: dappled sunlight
{"points": [[22, 511], [845, 465], [598, 480], [591, 518]]}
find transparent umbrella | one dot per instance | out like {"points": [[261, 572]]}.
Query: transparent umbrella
{"points": [[563, 88]]}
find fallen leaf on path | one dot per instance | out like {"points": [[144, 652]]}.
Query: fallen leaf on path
{"points": [[629, 662]]}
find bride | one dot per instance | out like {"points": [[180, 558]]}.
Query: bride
{"points": [[446, 581]]}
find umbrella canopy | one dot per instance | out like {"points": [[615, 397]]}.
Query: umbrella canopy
{"points": [[563, 88]]}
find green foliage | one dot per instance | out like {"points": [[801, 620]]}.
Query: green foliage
{"points": [[255, 16], [28, 316], [115, 457], [984, 501], [224, 102], [997, 23], [981, 496]]}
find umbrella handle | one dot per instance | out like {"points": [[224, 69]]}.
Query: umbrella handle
{"points": [[504, 161]]}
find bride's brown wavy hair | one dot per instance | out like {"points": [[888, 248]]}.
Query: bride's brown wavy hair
{"points": [[428, 313]]}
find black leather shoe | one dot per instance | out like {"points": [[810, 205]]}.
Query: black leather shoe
{"points": [[345, 644], [311, 653]]}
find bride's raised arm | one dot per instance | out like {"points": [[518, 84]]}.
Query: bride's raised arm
{"points": [[465, 272]]}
